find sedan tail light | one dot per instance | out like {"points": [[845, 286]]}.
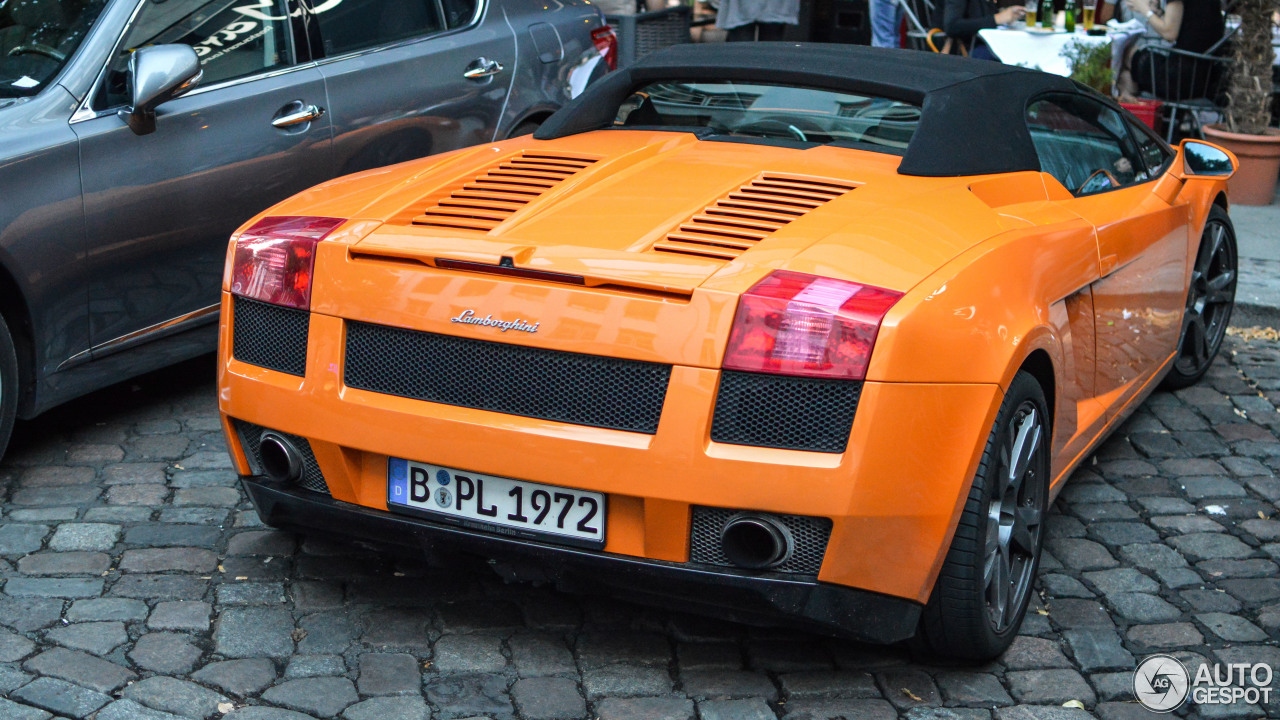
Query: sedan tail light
{"points": [[606, 41], [792, 323], [274, 260]]}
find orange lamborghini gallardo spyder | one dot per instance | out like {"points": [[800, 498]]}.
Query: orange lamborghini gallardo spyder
{"points": [[785, 333]]}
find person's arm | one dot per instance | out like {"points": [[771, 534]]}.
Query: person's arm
{"points": [[956, 22], [1166, 23]]}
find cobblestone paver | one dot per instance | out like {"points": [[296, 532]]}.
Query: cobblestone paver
{"points": [[138, 584]]}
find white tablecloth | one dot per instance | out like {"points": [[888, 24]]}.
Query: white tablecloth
{"points": [[1036, 49]]}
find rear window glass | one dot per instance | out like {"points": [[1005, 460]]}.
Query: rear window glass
{"points": [[799, 114]]}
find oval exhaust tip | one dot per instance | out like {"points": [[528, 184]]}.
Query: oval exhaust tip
{"points": [[281, 460], [756, 542]]}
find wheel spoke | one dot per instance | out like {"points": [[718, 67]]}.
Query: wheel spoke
{"points": [[1025, 522], [1221, 288], [992, 545], [1004, 585], [1201, 349], [989, 569], [1204, 258], [1006, 471], [1014, 573], [1025, 443], [1195, 342], [1216, 236]]}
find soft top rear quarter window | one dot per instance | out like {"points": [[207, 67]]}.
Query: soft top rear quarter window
{"points": [[1086, 145], [735, 110]]}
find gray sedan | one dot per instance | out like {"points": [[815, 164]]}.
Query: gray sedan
{"points": [[136, 135]]}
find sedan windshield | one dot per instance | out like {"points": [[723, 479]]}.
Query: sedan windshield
{"points": [[37, 37], [800, 114]]}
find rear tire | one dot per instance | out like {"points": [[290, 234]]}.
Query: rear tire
{"points": [[1210, 300], [985, 584], [8, 386]]}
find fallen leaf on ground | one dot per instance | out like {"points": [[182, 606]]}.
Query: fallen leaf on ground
{"points": [[1254, 333]]}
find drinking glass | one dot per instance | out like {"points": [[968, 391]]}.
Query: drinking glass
{"points": [[1031, 6], [1089, 7]]}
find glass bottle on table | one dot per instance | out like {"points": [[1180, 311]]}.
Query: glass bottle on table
{"points": [[1070, 16]]}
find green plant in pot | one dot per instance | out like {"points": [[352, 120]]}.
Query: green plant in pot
{"points": [[1247, 130], [1090, 65]]}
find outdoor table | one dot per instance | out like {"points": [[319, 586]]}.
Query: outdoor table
{"points": [[1032, 48]]}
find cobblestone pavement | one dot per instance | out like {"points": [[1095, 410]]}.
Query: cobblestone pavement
{"points": [[138, 584]]}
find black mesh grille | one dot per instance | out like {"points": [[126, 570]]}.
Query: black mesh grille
{"points": [[810, 535], [270, 336], [546, 384], [250, 434], [784, 412]]}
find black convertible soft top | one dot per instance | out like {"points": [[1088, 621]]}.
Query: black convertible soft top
{"points": [[973, 112]]}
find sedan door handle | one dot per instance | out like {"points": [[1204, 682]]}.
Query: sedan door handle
{"points": [[482, 68], [306, 113]]}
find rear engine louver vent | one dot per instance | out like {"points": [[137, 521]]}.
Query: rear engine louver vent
{"points": [[749, 214], [484, 202]]}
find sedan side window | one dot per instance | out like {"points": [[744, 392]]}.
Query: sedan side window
{"points": [[348, 25], [1085, 145], [232, 39], [459, 12]]}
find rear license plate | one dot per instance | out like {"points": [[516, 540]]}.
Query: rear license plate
{"points": [[496, 504]]}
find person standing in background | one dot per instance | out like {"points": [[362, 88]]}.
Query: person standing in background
{"points": [[748, 20], [886, 19]]}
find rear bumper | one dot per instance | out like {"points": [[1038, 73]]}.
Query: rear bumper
{"points": [[755, 599]]}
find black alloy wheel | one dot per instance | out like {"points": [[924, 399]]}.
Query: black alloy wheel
{"points": [[1015, 516], [1210, 300], [985, 585]]}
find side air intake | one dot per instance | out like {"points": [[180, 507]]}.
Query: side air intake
{"points": [[753, 212], [482, 203]]}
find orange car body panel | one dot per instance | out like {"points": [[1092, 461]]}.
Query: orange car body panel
{"points": [[993, 268]]}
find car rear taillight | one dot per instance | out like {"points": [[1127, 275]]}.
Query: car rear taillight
{"points": [[606, 41], [793, 323], [274, 259]]}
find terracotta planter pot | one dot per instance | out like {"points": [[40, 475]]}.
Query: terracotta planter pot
{"points": [[1255, 180]]}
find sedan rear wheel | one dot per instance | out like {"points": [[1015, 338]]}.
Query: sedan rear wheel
{"points": [[1210, 299], [8, 385], [986, 582]]}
